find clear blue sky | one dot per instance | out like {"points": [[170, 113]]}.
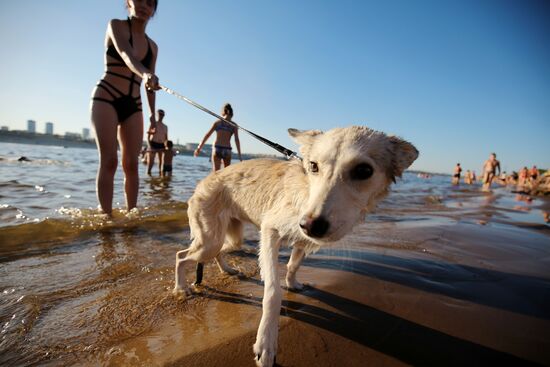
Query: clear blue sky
{"points": [[459, 79]]}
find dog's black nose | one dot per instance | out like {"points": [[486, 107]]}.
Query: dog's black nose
{"points": [[317, 227]]}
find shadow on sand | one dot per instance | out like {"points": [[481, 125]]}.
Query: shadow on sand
{"points": [[394, 336], [518, 293], [400, 338]]}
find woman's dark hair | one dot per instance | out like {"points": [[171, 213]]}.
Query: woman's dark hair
{"points": [[227, 109], [154, 11]]}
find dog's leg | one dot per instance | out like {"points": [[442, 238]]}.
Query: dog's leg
{"points": [[233, 241], [294, 263], [224, 267], [181, 286], [265, 347], [179, 272], [198, 273], [181, 254]]}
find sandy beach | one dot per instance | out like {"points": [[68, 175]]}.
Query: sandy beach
{"points": [[432, 293], [417, 303]]}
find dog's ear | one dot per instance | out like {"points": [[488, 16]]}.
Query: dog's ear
{"points": [[403, 155], [303, 137]]}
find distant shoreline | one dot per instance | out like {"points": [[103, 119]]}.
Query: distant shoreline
{"points": [[25, 137]]}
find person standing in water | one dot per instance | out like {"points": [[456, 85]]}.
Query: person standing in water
{"points": [[222, 145], [468, 177], [116, 112], [456, 174], [156, 139], [167, 158], [533, 174], [489, 170]]}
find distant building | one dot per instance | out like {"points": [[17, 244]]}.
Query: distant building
{"points": [[49, 128], [85, 134], [5, 128], [206, 149], [31, 126], [191, 146], [72, 135]]}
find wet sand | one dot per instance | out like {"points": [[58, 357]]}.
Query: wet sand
{"points": [[421, 302], [437, 291]]}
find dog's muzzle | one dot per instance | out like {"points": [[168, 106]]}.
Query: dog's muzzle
{"points": [[314, 227]]}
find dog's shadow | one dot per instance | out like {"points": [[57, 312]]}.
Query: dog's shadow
{"points": [[394, 336], [439, 277]]}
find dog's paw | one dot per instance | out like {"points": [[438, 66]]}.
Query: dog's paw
{"points": [[197, 288], [181, 291], [264, 358], [294, 285]]}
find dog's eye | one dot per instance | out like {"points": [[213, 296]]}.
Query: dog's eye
{"points": [[361, 172], [313, 167]]}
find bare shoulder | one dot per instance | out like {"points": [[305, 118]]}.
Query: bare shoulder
{"points": [[117, 26], [153, 44]]}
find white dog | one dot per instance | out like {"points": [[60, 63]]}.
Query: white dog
{"points": [[345, 172]]}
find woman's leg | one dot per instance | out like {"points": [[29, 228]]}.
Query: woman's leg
{"points": [[227, 160], [130, 135], [216, 162], [104, 121]]}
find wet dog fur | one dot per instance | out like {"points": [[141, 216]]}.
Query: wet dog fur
{"points": [[345, 172]]}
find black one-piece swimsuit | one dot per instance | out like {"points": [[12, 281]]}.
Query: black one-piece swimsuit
{"points": [[125, 104]]}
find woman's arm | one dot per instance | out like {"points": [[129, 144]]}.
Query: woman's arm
{"points": [[151, 95], [238, 143], [117, 32], [205, 139]]}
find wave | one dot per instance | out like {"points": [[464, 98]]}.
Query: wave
{"points": [[41, 236]]}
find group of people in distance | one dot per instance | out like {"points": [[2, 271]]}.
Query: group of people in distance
{"points": [[490, 167], [116, 109], [526, 176], [159, 146]]}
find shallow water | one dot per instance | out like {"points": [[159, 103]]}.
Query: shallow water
{"points": [[77, 287]]}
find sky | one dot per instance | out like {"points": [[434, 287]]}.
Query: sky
{"points": [[458, 79]]}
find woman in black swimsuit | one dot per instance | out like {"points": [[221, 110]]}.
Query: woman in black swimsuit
{"points": [[116, 100]]}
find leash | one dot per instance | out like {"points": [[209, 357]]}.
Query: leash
{"points": [[289, 154]]}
